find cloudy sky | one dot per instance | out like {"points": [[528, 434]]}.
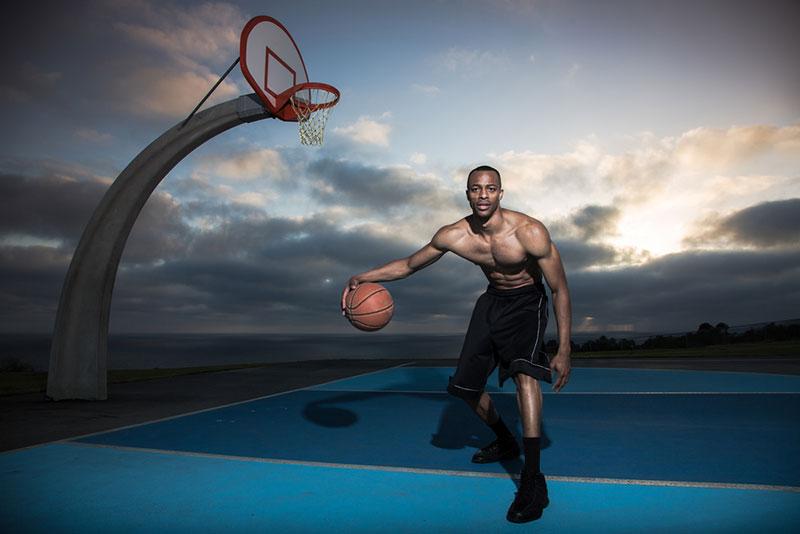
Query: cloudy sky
{"points": [[658, 140]]}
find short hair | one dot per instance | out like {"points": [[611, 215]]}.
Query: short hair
{"points": [[486, 168]]}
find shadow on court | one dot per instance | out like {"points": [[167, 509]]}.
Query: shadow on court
{"points": [[458, 427]]}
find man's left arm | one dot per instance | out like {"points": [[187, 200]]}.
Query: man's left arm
{"points": [[537, 242]]}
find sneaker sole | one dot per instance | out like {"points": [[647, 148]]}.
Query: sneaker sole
{"points": [[507, 456], [536, 515]]}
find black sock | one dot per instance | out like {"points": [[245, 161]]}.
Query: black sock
{"points": [[531, 446], [501, 429]]}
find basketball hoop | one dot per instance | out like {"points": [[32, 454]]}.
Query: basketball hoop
{"points": [[273, 66], [311, 104]]}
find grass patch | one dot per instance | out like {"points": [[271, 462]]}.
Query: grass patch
{"points": [[775, 348], [15, 382]]}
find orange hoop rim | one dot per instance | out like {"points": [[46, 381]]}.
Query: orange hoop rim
{"points": [[287, 113]]}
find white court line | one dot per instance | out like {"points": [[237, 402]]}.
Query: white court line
{"points": [[648, 368], [186, 414], [563, 392], [447, 472]]}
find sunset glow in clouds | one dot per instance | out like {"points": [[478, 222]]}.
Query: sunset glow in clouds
{"points": [[658, 141]]}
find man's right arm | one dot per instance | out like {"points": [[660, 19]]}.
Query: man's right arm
{"points": [[404, 267]]}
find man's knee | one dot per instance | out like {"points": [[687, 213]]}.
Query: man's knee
{"points": [[470, 395], [526, 383]]}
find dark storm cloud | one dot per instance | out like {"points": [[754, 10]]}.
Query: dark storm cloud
{"points": [[248, 271], [30, 284], [159, 233], [573, 236], [764, 225], [378, 189], [285, 273], [254, 272], [596, 221], [276, 274], [682, 290], [55, 208], [577, 255], [279, 273], [294, 240], [59, 207], [47, 206]]}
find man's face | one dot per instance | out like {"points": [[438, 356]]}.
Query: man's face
{"points": [[484, 193]]}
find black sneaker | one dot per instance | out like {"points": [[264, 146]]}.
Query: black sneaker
{"points": [[496, 451], [530, 501]]}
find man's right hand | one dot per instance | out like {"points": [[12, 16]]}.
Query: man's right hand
{"points": [[351, 285]]}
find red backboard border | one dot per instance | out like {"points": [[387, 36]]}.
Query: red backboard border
{"points": [[252, 23]]}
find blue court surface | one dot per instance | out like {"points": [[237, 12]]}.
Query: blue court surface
{"points": [[624, 450]]}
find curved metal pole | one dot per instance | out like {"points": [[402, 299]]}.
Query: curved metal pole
{"points": [[79, 351]]}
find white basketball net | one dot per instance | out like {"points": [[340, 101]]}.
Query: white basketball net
{"points": [[312, 106]]}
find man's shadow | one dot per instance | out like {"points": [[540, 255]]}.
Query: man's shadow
{"points": [[458, 426]]}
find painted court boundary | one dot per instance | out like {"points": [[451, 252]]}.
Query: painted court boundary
{"points": [[70, 442], [648, 369], [566, 393], [442, 472]]}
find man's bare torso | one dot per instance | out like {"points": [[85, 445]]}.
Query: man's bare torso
{"points": [[500, 254]]}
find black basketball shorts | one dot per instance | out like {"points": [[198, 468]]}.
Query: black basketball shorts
{"points": [[506, 331]]}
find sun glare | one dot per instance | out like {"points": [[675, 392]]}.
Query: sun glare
{"points": [[652, 231]]}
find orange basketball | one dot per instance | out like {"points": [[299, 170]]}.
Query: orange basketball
{"points": [[369, 307]]}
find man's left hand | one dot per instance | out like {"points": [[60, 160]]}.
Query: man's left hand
{"points": [[561, 364]]}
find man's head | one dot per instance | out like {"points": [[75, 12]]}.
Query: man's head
{"points": [[484, 191], [485, 168]]}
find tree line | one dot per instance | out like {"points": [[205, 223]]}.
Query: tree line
{"points": [[705, 335]]}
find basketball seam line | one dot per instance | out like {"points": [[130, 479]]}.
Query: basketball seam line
{"points": [[372, 312], [366, 298]]}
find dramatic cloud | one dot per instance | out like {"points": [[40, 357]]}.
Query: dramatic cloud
{"points": [[675, 179], [57, 208], [277, 273], [720, 149], [671, 203], [198, 33], [184, 48], [247, 270], [165, 92], [261, 163], [367, 131], [382, 190], [48, 206], [596, 221], [763, 225], [580, 239], [680, 291], [577, 255]]}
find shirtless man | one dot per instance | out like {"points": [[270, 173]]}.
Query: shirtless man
{"points": [[507, 325]]}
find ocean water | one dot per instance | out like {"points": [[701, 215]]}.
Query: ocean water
{"points": [[147, 351]]}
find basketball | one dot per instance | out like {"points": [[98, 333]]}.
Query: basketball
{"points": [[369, 307]]}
